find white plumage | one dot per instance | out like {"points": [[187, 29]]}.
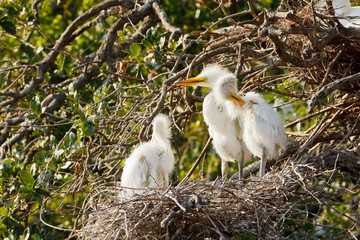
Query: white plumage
{"points": [[264, 131], [238, 123], [225, 132], [351, 22], [262, 126], [151, 163], [344, 10]]}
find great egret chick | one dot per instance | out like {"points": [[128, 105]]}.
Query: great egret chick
{"points": [[258, 128], [263, 127], [225, 132], [151, 163]]}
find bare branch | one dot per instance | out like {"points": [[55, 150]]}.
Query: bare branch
{"points": [[318, 97], [166, 22]]}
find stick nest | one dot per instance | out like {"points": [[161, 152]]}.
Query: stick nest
{"points": [[223, 209]]}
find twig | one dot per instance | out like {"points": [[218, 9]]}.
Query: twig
{"points": [[318, 97], [202, 154], [165, 21]]}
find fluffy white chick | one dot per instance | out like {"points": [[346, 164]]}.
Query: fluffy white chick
{"points": [[150, 164], [225, 132]]}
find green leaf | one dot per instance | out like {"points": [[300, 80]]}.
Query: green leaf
{"points": [[26, 234], [36, 106], [135, 50], [27, 50], [149, 32], [42, 192], [101, 36], [162, 42], [14, 10], [132, 68], [158, 56], [66, 165], [3, 211], [59, 151], [39, 50], [25, 189], [143, 71], [27, 178], [87, 126], [8, 26], [72, 137], [71, 89], [2, 75], [152, 65], [33, 169], [35, 237]]}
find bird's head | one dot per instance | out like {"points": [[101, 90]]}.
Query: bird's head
{"points": [[226, 88], [207, 78]]}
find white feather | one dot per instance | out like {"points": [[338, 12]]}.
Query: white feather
{"points": [[235, 128], [343, 10], [151, 163], [263, 126], [225, 132]]}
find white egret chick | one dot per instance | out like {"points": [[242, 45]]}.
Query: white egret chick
{"points": [[263, 131], [258, 127], [151, 163], [225, 132]]}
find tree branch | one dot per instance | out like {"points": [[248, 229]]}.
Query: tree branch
{"points": [[165, 21], [344, 160], [318, 97]]}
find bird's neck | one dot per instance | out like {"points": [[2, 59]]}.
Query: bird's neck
{"points": [[164, 143]]}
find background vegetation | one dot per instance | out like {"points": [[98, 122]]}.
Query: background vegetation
{"points": [[81, 81]]}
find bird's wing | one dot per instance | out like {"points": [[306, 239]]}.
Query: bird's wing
{"points": [[167, 161], [215, 115], [140, 168], [143, 172], [220, 143], [266, 128]]}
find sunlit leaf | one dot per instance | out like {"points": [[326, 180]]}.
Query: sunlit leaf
{"points": [[59, 151], [135, 50], [27, 178], [3, 211]]}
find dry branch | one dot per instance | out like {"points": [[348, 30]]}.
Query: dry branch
{"points": [[346, 161]]}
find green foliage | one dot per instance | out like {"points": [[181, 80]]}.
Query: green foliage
{"points": [[59, 146]]}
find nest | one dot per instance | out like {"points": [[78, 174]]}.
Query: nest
{"points": [[221, 209]]}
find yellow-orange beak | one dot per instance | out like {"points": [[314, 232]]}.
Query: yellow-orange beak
{"points": [[192, 81], [236, 99]]}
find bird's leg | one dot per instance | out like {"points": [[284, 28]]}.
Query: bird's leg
{"points": [[224, 168], [262, 163], [241, 165], [166, 179]]}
